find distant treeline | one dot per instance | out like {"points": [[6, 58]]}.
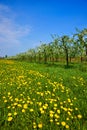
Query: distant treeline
{"points": [[64, 48]]}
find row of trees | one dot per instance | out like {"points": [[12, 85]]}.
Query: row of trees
{"points": [[64, 47]]}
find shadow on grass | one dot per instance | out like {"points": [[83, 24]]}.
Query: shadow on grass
{"points": [[60, 65]]}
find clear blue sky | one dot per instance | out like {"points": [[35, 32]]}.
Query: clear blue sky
{"points": [[24, 23]]}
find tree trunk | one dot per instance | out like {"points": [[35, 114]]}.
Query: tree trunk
{"points": [[86, 49], [45, 58], [81, 59], [67, 59], [70, 59]]}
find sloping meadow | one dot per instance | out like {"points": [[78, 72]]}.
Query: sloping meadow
{"points": [[31, 100]]}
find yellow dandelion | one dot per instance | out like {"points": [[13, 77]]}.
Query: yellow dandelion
{"points": [[34, 123], [69, 113], [67, 126], [71, 104], [51, 120], [54, 108], [9, 114], [31, 110], [44, 107], [69, 100], [31, 102], [63, 123], [25, 106], [41, 94], [15, 103], [5, 101], [56, 120], [39, 103], [19, 105], [51, 111], [23, 110], [41, 109], [79, 116], [13, 107], [67, 118], [40, 125], [9, 107], [34, 126], [15, 113], [10, 118], [51, 114], [55, 105], [76, 108], [16, 99], [65, 109], [42, 112], [58, 111], [56, 116], [75, 98], [4, 97], [9, 93], [57, 123]]}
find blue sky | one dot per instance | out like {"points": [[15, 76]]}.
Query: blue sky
{"points": [[24, 23]]}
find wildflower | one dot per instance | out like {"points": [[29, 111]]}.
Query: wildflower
{"points": [[51, 114], [31, 110], [57, 123], [76, 108], [16, 99], [10, 118], [23, 110], [34, 125], [56, 116], [4, 97], [67, 126], [9, 93], [58, 111], [71, 104], [19, 105], [39, 83], [51, 111], [15, 113], [15, 103], [79, 116], [9, 107], [69, 100], [67, 118], [39, 103], [74, 98], [69, 113], [63, 123], [25, 106], [51, 120], [40, 125], [65, 109], [44, 107], [5, 100], [42, 111], [9, 114]]}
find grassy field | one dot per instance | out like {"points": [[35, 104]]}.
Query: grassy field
{"points": [[42, 96]]}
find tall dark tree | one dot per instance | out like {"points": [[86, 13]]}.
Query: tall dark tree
{"points": [[65, 44]]}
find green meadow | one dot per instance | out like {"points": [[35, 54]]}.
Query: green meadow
{"points": [[42, 96]]}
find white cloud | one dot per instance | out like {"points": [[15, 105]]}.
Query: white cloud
{"points": [[10, 31]]}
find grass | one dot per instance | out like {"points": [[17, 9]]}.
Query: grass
{"points": [[42, 96]]}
